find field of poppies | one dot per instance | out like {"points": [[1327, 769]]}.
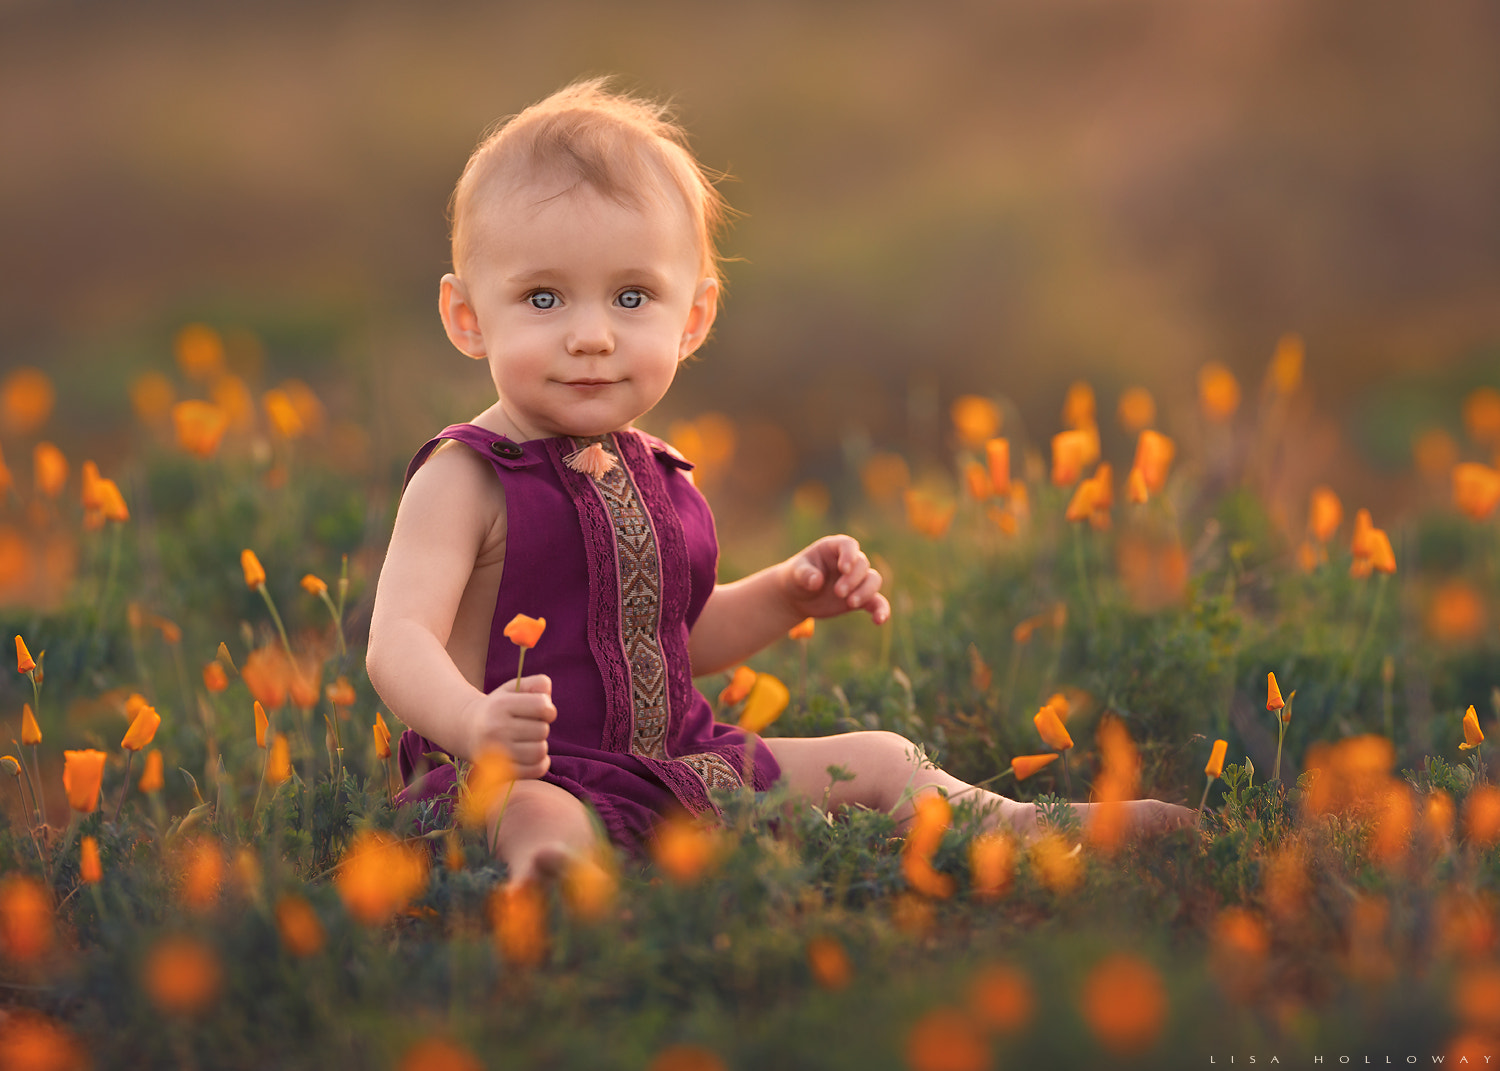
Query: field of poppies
{"points": [[201, 865]]}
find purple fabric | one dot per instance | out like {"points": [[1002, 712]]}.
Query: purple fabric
{"points": [[633, 737]]}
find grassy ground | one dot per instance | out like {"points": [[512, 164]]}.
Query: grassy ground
{"points": [[1347, 907]]}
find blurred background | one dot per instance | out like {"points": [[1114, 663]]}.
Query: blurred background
{"points": [[984, 197]]}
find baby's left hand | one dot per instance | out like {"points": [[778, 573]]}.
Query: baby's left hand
{"points": [[832, 577]]}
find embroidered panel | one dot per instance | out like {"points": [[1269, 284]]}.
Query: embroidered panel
{"points": [[639, 578], [715, 770], [639, 575]]}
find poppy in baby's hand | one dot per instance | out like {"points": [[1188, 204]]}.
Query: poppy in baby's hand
{"points": [[524, 631]]}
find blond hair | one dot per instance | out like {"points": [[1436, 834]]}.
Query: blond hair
{"points": [[625, 148]]}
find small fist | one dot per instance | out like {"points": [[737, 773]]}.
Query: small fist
{"points": [[833, 576], [516, 718]]}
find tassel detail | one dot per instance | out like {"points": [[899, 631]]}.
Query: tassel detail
{"points": [[593, 460]]}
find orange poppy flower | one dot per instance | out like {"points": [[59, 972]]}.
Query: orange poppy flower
{"points": [[524, 631], [1079, 408], [977, 481], [267, 673], [1382, 557], [1482, 815], [1273, 693], [829, 963], [255, 573], [1215, 767], [379, 876], [992, 863], [151, 396], [519, 915], [1325, 513], [341, 693], [199, 426], [1026, 765], [279, 762], [932, 818], [90, 872], [1137, 409], [1434, 452], [25, 917], [1481, 413], [26, 400], [382, 737], [928, 515], [1136, 491], [1125, 1003], [1051, 728], [1285, 373], [262, 723], [282, 414], [1476, 489], [684, 850], [1070, 453], [589, 886], [945, 1039], [182, 975], [199, 350], [142, 729], [298, 924], [1001, 998], [975, 419], [1218, 392], [313, 585], [1359, 542], [1085, 500], [49, 469], [767, 699], [1154, 453], [151, 777], [802, 630], [83, 776], [885, 476], [202, 875], [31, 732], [738, 687], [24, 661], [997, 458], [1473, 735], [438, 1054], [214, 677], [304, 681]]}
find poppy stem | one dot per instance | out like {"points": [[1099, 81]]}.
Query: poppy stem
{"points": [[37, 798], [36, 813], [338, 622], [1203, 803], [276, 617], [1067, 777], [124, 788], [977, 785], [22, 793], [520, 664], [265, 763], [1083, 576]]}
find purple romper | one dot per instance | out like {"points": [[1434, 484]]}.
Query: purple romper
{"points": [[620, 565]]}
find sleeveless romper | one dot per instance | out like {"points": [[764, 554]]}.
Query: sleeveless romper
{"points": [[620, 565]]}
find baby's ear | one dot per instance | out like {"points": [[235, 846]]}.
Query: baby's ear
{"points": [[460, 320], [700, 318]]}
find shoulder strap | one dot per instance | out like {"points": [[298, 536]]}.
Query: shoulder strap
{"points": [[501, 451]]}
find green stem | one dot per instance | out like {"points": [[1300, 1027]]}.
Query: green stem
{"points": [[41, 858], [980, 784], [37, 797], [1203, 803], [1067, 777], [280, 628], [1086, 593], [124, 788], [338, 622], [264, 765], [1280, 736]]}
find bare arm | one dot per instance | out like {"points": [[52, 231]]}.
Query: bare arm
{"points": [[451, 509], [831, 577]]}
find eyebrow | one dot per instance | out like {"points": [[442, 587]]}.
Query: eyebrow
{"points": [[647, 276]]}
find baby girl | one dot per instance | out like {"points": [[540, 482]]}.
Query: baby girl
{"points": [[584, 273]]}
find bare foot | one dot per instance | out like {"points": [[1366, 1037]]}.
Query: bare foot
{"points": [[547, 863]]}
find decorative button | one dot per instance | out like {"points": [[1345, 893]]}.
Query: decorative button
{"points": [[504, 449]]}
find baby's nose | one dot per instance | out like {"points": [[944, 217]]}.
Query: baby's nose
{"points": [[590, 333]]}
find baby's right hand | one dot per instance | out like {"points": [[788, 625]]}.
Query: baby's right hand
{"points": [[515, 718]]}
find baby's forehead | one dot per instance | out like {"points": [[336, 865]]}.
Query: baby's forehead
{"points": [[507, 196]]}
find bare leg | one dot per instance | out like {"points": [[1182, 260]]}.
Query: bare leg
{"points": [[541, 829], [888, 776]]}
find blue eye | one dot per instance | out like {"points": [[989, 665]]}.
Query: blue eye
{"points": [[542, 299], [631, 299]]}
